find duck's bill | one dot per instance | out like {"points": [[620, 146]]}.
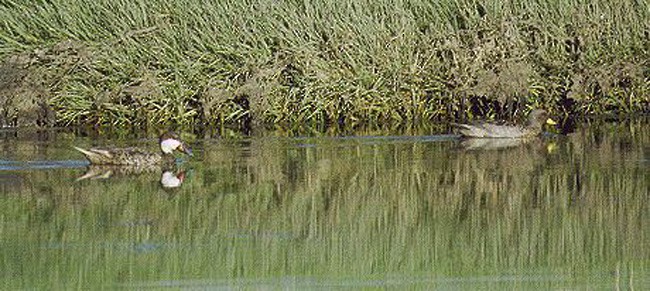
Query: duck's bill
{"points": [[183, 148], [551, 122]]}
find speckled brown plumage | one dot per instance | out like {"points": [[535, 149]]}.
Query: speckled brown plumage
{"points": [[122, 156]]}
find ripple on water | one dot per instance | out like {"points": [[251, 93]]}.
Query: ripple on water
{"points": [[40, 165]]}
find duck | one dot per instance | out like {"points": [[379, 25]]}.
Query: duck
{"points": [[131, 156], [533, 127]]}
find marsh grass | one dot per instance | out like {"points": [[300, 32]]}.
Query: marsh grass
{"points": [[147, 63]]}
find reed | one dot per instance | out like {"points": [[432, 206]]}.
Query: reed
{"points": [[147, 63]]}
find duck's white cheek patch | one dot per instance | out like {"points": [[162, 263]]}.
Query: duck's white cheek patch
{"points": [[169, 145]]}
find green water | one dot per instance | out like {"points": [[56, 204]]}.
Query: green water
{"points": [[371, 212]]}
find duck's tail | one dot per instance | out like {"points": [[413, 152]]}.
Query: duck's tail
{"points": [[96, 156], [463, 129], [460, 125], [83, 151]]}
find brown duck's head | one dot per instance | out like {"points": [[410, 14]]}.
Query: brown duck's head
{"points": [[538, 117], [169, 142]]}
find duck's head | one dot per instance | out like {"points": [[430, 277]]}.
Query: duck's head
{"points": [[538, 117], [170, 142]]}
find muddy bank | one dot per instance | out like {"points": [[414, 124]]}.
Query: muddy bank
{"points": [[23, 96]]}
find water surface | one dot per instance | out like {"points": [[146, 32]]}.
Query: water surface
{"points": [[416, 211]]}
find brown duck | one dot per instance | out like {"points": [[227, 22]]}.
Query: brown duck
{"points": [[533, 127], [169, 142]]}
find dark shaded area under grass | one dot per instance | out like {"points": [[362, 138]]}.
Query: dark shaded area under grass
{"points": [[147, 64]]}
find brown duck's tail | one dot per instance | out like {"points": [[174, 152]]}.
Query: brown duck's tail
{"points": [[83, 151], [462, 129], [96, 156], [460, 125]]}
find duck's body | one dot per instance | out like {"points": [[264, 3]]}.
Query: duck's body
{"points": [[488, 130], [169, 142], [532, 128], [122, 156]]}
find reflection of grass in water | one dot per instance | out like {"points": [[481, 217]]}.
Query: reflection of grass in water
{"points": [[342, 209]]}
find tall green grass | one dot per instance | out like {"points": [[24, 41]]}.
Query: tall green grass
{"points": [[146, 63]]}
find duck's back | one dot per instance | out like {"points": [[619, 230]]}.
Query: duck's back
{"points": [[121, 156], [489, 130]]}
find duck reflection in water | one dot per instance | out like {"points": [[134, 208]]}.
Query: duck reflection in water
{"points": [[491, 144], [170, 178]]}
